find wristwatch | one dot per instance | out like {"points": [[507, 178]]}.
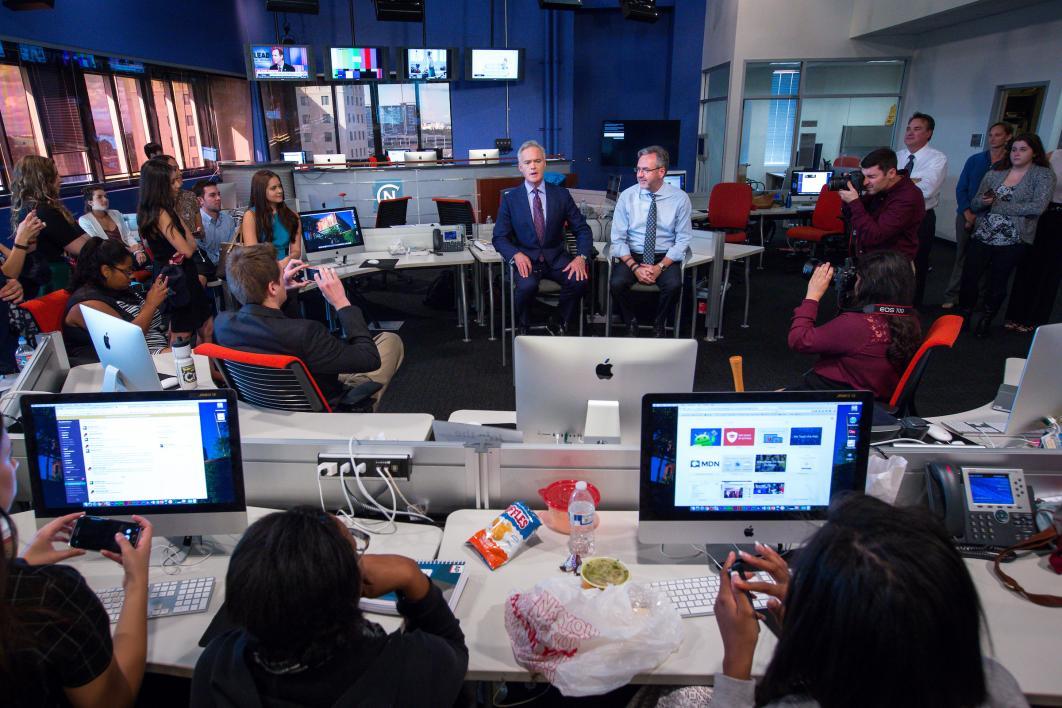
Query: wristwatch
{"points": [[663, 266]]}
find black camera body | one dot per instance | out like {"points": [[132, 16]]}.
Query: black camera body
{"points": [[839, 182], [844, 278]]}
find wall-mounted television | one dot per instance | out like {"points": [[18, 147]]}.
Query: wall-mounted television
{"points": [[279, 62], [494, 64], [356, 63], [429, 64], [622, 139]]}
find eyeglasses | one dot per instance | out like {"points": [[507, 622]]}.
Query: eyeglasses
{"points": [[361, 539], [127, 272], [646, 170]]}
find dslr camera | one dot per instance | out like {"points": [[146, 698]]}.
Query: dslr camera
{"points": [[840, 181], [844, 278]]}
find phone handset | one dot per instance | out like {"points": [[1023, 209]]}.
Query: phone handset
{"points": [[946, 498]]}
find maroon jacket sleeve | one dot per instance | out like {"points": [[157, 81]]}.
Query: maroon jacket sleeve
{"points": [[840, 335], [902, 212]]}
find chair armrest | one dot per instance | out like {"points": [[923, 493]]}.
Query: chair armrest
{"points": [[358, 399]]}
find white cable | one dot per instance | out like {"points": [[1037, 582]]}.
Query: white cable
{"points": [[896, 440], [390, 517], [385, 527], [409, 504]]}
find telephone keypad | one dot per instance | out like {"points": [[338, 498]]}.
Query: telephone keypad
{"points": [[985, 524]]}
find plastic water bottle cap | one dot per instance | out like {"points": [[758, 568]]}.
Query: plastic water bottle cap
{"points": [[580, 485]]}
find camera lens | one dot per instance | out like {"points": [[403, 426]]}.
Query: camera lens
{"points": [[809, 268]]}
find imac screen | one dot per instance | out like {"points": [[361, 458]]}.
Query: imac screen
{"points": [[331, 229]]}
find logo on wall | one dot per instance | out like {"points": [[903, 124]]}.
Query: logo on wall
{"points": [[386, 189]]}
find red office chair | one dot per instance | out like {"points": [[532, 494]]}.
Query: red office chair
{"points": [[279, 381], [48, 310], [392, 212], [942, 333], [825, 220], [455, 211], [846, 161], [729, 205]]}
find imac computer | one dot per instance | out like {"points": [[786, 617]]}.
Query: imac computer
{"points": [[722, 468], [227, 192], [1039, 390], [396, 155], [330, 160], [173, 457], [46, 371], [297, 156], [421, 156], [331, 233], [487, 156], [595, 369], [804, 186], [123, 353], [676, 178]]}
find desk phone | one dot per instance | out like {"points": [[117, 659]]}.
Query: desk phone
{"points": [[980, 505], [449, 240]]}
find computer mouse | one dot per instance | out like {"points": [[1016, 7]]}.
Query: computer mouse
{"points": [[373, 261], [170, 382], [938, 433]]}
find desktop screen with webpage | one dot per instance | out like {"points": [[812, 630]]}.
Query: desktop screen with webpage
{"points": [[331, 229], [785, 456], [105, 455]]}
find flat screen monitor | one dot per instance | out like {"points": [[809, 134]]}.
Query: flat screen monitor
{"points": [[676, 178], [332, 158], [595, 368], [297, 156], [396, 155], [421, 156], [279, 62], [484, 157], [809, 183], [122, 351], [622, 139], [1040, 387], [332, 230], [722, 468], [227, 192], [435, 64], [494, 64], [356, 64], [173, 457]]}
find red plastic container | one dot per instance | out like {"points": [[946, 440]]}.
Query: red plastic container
{"points": [[556, 496]]}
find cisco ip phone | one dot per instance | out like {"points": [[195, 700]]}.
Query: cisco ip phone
{"points": [[448, 240], [981, 506]]}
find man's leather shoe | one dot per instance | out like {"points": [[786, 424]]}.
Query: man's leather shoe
{"points": [[560, 331], [632, 328]]}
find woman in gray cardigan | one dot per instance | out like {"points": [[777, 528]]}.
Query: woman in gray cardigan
{"points": [[1007, 204]]}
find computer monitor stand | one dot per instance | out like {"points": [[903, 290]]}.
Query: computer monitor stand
{"points": [[602, 424], [112, 380]]}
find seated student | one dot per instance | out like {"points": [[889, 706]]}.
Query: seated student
{"points": [[100, 221], [101, 281], [292, 588], [878, 610], [860, 350], [277, 224], [255, 279], [56, 646]]}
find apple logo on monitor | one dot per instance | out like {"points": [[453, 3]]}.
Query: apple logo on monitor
{"points": [[603, 370], [749, 531], [107, 340]]}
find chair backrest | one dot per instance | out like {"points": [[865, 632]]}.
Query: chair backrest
{"points": [[275, 381], [846, 161], [729, 205], [48, 310], [455, 211], [942, 333], [827, 214], [392, 212]]}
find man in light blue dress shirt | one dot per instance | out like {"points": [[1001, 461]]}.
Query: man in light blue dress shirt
{"points": [[218, 225], [651, 231]]}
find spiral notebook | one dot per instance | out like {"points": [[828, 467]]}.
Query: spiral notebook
{"points": [[448, 576]]}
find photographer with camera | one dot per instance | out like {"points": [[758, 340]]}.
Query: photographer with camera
{"points": [[886, 216], [868, 345]]}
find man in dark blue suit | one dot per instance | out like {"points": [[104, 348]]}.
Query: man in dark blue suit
{"points": [[530, 235]]}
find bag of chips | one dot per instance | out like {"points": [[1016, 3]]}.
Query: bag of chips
{"points": [[506, 534]]}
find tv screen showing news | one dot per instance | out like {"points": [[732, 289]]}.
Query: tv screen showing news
{"points": [[356, 64], [622, 139], [278, 62], [329, 229], [428, 65], [494, 64]]}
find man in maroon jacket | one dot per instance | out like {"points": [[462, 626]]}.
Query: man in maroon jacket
{"points": [[886, 217]]}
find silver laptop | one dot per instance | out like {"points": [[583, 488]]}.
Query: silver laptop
{"points": [[556, 376], [1040, 387]]}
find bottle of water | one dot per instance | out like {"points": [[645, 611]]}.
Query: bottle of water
{"points": [[487, 232], [184, 364], [581, 518], [23, 354]]}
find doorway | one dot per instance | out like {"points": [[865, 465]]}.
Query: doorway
{"points": [[1020, 105]]}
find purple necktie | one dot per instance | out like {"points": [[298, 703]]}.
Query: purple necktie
{"points": [[540, 220]]}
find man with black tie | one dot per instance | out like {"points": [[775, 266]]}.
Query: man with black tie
{"points": [[530, 235], [927, 167], [651, 230]]}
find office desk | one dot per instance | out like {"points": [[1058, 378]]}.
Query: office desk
{"points": [[173, 642], [774, 212], [88, 378], [1025, 636], [485, 257]]}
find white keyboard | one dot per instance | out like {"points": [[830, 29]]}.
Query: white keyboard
{"points": [[695, 597], [165, 599]]}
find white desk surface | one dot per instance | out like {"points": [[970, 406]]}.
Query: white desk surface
{"points": [[482, 417], [257, 424], [770, 212], [425, 260], [1025, 637], [88, 378], [1012, 370], [173, 642]]}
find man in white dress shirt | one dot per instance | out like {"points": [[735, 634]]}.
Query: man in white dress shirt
{"points": [[927, 167]]}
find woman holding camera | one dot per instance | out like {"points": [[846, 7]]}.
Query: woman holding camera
{"points": [[1007, 204], [860, 348]]}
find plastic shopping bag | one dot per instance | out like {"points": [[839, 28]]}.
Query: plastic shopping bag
{"points": [[589, 642], [884, 477]]}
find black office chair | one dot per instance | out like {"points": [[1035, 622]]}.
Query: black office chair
{"points": [[392, 212], [455, 211]]}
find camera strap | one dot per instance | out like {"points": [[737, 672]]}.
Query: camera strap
{"points": [[891, 310]]}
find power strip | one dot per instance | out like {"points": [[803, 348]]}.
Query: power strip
{"points": [[398, 465]]}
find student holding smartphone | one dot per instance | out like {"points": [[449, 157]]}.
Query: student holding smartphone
{"points": [[55, 637]]}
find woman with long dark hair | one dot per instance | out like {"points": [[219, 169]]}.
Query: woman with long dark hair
{"points": [[172, 244], [55, 637], [35, 185], [101, 281], [269, 220], [292, 589], [1008, 204], [860, 349], [878, 611], [100, 221]]}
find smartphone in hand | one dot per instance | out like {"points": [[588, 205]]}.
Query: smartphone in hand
{"points": [[96, 533]]}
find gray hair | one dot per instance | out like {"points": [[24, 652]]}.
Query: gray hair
{"points": [[662, 158], [529, 144]]}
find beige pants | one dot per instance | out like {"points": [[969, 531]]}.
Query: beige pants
{"points": [[392, 352]]}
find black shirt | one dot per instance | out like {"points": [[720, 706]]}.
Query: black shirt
{"points": [[57, 232], [64, 634]]}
